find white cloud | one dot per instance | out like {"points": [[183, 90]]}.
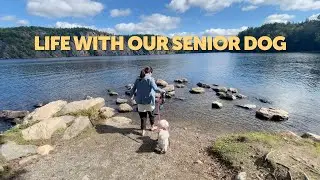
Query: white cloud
{"points": [[64, 8], [153, 24], [14, 19], [278, 18], [208, 5], [314, 17], [217, 5], [76, 25], [8, 18], [223, 32], [22, 22], [120, 12], [249, 8]]}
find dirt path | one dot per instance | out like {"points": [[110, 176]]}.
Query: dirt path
{"points": [[120, 153]]}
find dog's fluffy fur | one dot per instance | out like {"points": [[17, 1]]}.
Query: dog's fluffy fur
{"points": [[163, 136]]}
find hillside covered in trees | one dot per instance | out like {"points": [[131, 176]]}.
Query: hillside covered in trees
{"points": [[304, 36], [18, 42]]}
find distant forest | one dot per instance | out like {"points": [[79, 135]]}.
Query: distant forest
{"points": [[18, 42], [300, 37]]}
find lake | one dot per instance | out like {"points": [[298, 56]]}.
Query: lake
{"points": [[291, 81]]}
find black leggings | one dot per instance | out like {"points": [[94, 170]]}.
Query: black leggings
{"points": [[144, 117]]}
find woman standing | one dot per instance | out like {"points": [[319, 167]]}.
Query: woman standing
{"points": [[145, 90]]}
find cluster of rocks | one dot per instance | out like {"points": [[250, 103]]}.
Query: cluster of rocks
{"points": [[231, 94], [70, 119]]}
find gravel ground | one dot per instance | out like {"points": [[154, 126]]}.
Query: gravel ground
{"points": [[121, 153]]}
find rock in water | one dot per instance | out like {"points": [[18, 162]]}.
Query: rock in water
{"points": [[80, 106], [170, 94], [45, 149], [203, 85], [241, 176], [311, 136], [45, 128], [112, 93], [197, 90], [180, 85], [220, 89], [264, 100], [227, 96], [169, 88], [182, 80], [11, 150], [233, 90], [272, 114], [10, 115], [241, 96], [161, 82], [125, 108], [129, 86], [45, 112], [121, 101], [78, 125], [107, 112], [247, 106], [217, 105]]}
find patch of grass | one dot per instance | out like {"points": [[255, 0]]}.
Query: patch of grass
{"points": [[248, 150], [14, 134]]}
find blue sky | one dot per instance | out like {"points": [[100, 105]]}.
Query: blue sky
{"points": [[169, 17]]}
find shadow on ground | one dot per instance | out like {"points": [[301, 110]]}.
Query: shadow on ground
{"points": [[148, 145]]}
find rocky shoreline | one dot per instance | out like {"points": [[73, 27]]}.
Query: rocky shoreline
{"points": [[33, 132]]}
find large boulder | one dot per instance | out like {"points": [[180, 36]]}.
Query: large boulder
{"points": [[78, 125], [45, 112], [169, 88], [312, 136], [161, 82], [10, 115], [197, 90], [106, 112], [44, 129], [272, 114], [45, 149], [125, 108], [80, 106], [11, 150], [116, 121]]}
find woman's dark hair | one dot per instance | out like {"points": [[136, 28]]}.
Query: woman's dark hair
{"points": [[145, 71]]}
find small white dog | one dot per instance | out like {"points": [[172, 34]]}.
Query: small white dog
{"points": [[162, 128]]}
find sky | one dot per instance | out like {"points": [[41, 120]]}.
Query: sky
{"points": [[168, 17]]}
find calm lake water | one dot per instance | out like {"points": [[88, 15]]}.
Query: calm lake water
{"points": [[291, 81]]}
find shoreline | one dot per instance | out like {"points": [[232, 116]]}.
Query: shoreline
{"points": [[116, 143], [154, 55]]}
